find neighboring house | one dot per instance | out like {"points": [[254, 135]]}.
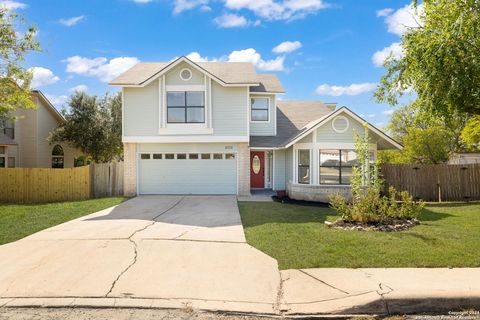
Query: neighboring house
{"points": [[219, 128], [464, 158], [24, 143]]}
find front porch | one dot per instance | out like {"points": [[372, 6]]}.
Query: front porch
{"points": [[258, 195]]}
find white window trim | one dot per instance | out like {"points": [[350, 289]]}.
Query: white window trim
{"points": [[310, 166], [185, 69], [191, 127], [268, 110], [315, 148], [336, 129]]}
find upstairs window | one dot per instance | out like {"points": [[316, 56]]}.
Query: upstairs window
{"points": [[8, 128], [185, 107], [259, 111]]}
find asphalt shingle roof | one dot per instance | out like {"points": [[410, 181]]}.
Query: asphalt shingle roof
{"points": [[293, 118], [228, 72]]}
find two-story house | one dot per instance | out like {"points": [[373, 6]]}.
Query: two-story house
{"points": [[24, 143], [219, 128]]}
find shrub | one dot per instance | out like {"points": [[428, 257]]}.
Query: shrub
{"points": [[368, 205]]}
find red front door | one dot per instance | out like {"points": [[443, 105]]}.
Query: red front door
{"points": [[257, 169]]}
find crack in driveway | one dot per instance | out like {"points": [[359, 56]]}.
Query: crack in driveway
{"points": [[135, 247]]}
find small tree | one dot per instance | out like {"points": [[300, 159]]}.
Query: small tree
{"points": [[368, 205], [92, 125], [15, 79]]}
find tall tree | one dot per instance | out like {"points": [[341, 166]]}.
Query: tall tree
{"points": [[92, 125], [440, 59], [471, 133], [426, 137], [15, 79]]}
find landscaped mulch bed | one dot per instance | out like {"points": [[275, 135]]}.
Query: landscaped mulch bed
{"points": [[389, 225]]}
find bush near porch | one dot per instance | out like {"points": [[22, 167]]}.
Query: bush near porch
{"points": [[296, 235]]}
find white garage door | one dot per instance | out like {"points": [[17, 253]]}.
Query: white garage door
{"points": [[187, 173]]}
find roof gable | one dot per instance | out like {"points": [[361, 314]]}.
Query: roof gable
{"points": [[49, 106], [313, 125]]}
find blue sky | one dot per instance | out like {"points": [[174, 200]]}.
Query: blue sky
{"points": [[328, 50]]}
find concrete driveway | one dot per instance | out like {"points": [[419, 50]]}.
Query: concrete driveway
{"points": [[171, 251]]}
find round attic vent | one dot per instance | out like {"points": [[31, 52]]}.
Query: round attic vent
{"points": [[185, 74], [340, 124]]}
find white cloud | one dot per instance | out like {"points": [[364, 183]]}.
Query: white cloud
{"points": [[183, 5], [42, 77], [287, 46], [399, 21], [350, 90], [278, 10], [12, 5], [142, 1], [228, 20], [196, 57], [379, 124], [371, 115], [57, 101], [388, 112], [100, 67], [70, 22], [394, 51], [79, 88], [384, 12], [251, 55]]}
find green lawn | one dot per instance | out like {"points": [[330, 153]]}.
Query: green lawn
{"points": [[295, 235], [18, 221]]}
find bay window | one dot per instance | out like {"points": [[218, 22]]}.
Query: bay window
{"points": [[185, 107], [304, 166], [336, 166]]}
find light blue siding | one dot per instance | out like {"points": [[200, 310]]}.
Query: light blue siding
{"points": [[187, 147], [230, 110], [279, 170], [173, 76], [326, 133], [141, 110], [264, 128], [229, 105], [306, 139]]}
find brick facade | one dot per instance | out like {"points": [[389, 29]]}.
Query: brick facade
{"points": [[243, 169], [130, 169]]}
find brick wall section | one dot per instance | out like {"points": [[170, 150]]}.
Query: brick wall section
{"points": [[243, 169], [130, 169], [317, 193]]}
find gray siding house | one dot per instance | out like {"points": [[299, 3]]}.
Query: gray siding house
{"points": [[219, 128]]}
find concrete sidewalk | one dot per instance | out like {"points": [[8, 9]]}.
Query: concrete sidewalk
{"points": [[304, 292], [379, 291]]}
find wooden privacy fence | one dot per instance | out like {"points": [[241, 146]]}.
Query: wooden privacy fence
{"points": [[106, 179], [39, 185], [438, 182], [19, 185]]}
